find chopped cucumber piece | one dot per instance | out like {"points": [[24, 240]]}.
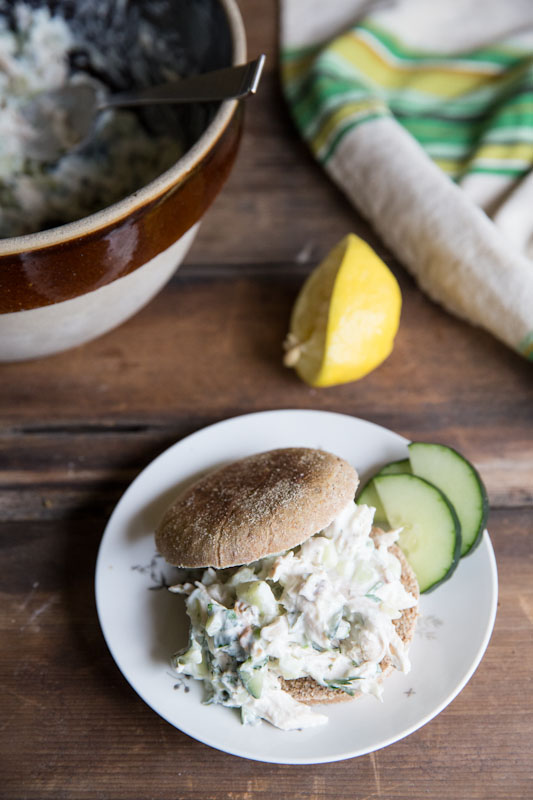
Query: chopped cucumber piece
{"points": [[460, 482], [252, 678], [215, 620], [290, 667], [363, 573], [329, 557], [243, 574], [369, 497], [193, 660], [259, 594], [431, 534], [253, 683], [193, 655], [396, 467]]}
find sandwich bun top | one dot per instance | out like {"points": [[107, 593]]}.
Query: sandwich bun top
{"points": [[255, 507]]}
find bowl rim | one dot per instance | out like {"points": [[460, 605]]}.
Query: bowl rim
{"points": [[116, 212]]}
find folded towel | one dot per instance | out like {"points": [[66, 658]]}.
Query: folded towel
{"points": [[422, 113]]}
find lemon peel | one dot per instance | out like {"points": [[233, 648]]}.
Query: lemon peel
{"points": [[345, 317]]}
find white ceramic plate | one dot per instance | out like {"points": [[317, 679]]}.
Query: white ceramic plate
{"points": [[144, 624]]}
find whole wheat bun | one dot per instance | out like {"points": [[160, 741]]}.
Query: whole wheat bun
{"points": [[308, 691], [255, 507]]}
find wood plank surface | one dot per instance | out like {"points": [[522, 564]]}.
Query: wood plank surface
{"points": [[73, 728], [76, 428], [218, 341]]}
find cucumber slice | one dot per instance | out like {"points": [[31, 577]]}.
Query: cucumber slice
{"points": [[369, 497], [431, 534], [396, 467], [460, 482]]}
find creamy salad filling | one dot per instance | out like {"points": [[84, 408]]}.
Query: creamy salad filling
{"points": [[323, 610], [119, 157]]}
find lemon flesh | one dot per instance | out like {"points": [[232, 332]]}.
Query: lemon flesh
{"points": [[345, 317]]}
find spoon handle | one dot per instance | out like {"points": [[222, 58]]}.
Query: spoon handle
{"points": [[220, 84]]}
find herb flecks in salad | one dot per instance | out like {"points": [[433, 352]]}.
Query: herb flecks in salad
{"points": [[322, 610]]}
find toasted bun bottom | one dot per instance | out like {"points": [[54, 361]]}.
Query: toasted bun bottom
{"points": [[307, 690]]}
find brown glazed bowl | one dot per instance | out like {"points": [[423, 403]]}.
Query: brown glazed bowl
{"points": [[71, 283]]}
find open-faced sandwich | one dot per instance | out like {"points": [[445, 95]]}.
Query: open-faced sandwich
{"points": [[300, 600]]}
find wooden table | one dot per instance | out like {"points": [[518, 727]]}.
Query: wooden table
{"points": [[76, 429]]}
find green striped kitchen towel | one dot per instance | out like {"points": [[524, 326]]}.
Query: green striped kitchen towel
{"points": [[422, 112]]}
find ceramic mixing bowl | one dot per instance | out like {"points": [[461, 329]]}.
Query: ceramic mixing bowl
{"points": [[70, 283]]}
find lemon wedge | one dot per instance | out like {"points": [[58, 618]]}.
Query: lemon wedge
{"points": [[345, 317]]}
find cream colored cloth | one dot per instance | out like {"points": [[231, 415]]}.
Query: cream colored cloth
{"points": [[468, 241]]}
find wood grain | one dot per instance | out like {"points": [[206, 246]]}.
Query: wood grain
{"points": [[76, 428], [73, 727], [219, 343]]}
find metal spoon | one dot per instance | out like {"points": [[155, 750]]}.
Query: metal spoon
{"points": [[61, 119]]}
